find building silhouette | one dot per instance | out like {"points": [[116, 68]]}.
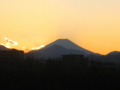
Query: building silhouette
{"points": [[72, 57], [75, 61]]}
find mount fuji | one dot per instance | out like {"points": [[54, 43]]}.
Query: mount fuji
{"points": [[58, 48], [66, 43]]}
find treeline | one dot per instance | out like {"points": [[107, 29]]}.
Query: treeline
{"points": [[57, 74]]}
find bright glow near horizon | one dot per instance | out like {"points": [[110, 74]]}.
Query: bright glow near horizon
{"points": [[92, 24], [11, 44]]}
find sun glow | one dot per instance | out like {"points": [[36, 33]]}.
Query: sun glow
{"points": [[11, 44], [39, 47]]}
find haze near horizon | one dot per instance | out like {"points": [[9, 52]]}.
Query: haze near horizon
{"points": [[91, 24]]}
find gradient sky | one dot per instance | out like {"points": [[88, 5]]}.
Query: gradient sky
{"points": [[92, 24]]}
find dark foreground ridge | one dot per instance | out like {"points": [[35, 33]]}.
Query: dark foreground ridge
{"points": [[72, 72]]}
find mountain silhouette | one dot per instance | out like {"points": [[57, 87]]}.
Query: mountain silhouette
{"points": [[68, 45], [54, 51], [3, 47], [113, 56], [110, 57], [65, 46], [113, 53]]}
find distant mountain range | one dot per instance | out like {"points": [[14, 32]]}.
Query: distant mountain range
{"points": [[110, 57], [55, 51], [65, 46], [58, 48]]}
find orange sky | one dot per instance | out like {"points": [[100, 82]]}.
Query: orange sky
{"points": [[92, 24]]}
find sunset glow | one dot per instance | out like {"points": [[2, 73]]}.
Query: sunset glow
{"points": [[91, 24], [39, 47], [11, 44]]}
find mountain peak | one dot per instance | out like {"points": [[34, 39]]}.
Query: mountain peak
{"points": [[113, 53], [66, 43], [63, 39], [61, 47]]}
